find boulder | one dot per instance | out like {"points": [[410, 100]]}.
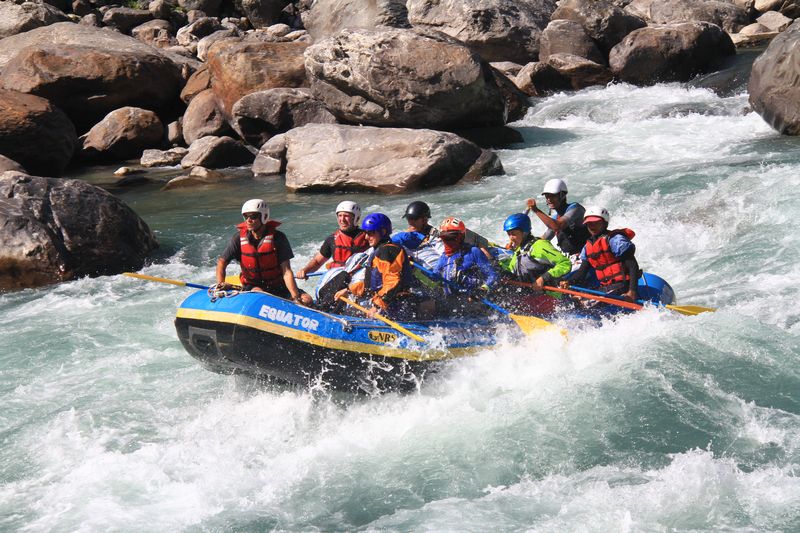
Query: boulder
{"points": [[205, 43], [203, 118], [388, 160], [54, 230], [124, 19], [774, 21], [163, 158], [157, 33], [217, 152], [517, 103], [580, 72], [541, 79], [260, 115], [198, 176], [197, 83], [175, 133], [398, 77], [726, 15], [19, 18], [123, 134], [670, 52], [507, 68], [238, 67], [569, 37], [7, 164], [604, 22], [325, 18], [198, 29], [209, 7], [774, 85], [498, 30], [262, 13], [35, 133], [88, 72]]}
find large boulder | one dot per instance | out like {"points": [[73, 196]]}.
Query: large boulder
{"points": [[389, 160], [203, 117], [124, 19], [603, 21], [399, 77], [569, 37], [670, 52], [123, 134], [217, 152], [325, 18], [260, 115], [499, 30], [580, 72], [88, 72], [35, 133], [774, 85], [54, 230], [157, 33], [726, 15], [19, 18], [238, 67]]}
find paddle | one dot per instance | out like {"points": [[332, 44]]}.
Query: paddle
{"points": [[165, 280], [382, 318], [689, 310], [528, 324], [604, 299]]}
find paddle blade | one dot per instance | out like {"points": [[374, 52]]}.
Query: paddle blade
{"points": [[690, 310], [531, 325]]}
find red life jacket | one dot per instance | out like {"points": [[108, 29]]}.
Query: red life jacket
{"points": [[260, 265], [607, 266], [344, 246]]}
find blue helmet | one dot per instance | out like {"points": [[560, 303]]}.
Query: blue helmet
{"points": [[518, 221], [377, 222]]}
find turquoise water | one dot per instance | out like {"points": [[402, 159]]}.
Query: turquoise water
{"points": [[652, 422]]}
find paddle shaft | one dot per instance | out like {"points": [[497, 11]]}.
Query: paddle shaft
{"points": [[382, 318], [604, 299], [165, 280]]}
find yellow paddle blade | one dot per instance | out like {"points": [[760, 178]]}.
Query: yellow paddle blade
{"points": [[690, 310], [531, 325]]}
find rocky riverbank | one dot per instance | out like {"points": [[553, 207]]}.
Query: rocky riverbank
{"points": [[333, 94]]}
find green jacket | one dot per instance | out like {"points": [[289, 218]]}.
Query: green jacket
{"points": [[535, 258]]}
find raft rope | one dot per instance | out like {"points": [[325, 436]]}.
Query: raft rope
{"points": [[214, 294]]}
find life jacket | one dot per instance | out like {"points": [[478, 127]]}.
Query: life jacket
{"points": [[373, 279], [344, 246], [527, 268], [607, 266], [260, 264], [454, 264], [572, 238]]}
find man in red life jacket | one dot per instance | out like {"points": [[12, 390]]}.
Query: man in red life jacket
{"points": [[343, 243], [611, 254], [263, 253]]}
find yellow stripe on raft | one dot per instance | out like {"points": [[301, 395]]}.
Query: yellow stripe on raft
{"points": [[325, 342]]}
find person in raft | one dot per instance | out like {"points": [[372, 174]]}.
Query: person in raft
{"points": [[387, 279], [611, 254], [564, 220], [419, 233], [343, 243], [263, 253]]}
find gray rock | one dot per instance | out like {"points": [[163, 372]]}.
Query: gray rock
{"points": [[157, 33], [123, 134], [569, 37], [203, 118], [326, 18], [580, 72], [726, 15], [774, 21], [198, 29], [163, 158], [398, 77], [198, 176], [604, 22], [262, 13], [389, 160], [541, 79], [508, 68], [19, 18], [124, 19], [217, 152], [54, 230], [498, 30], [774, 85]]}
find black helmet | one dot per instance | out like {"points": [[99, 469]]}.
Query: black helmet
{"points": [[417, 210]]}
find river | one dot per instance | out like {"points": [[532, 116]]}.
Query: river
{"points": [[652, 422]]}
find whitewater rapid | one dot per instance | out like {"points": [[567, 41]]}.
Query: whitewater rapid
{"points": [[652, 422]]}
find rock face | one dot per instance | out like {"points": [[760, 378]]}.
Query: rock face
{"points": [[54, 230], [240, 67], [88, 72], [35, 133], [123, 134], [397, 77], [670, 52], [325, 18], [390, 160], [498, 30], [604, 22], [775, 82], [19, 18], [259, 116]]}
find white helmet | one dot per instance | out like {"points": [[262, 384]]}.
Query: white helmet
{"points": [[257, 206], [596, 212], [554, 186], [350, 207]]}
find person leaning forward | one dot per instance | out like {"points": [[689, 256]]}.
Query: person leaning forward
{"points": [[264, 254], [349, 239], [565, 219]]}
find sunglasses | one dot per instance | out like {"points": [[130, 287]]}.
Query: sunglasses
{"points": [[449, 236], [251, 216]]}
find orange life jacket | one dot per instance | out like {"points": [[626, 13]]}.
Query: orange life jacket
{"points": [[260, 264], [607, 266], [344, 246]]}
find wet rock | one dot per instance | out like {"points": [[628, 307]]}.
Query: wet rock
{"points": [[397, 77], [498, 30], [123, 134], [541, 79], [18, 18], [263, 114], [604, 22], [670, 52], [35, 133], [197, 176], [54, 230], [88, 72], [775, 82], [127, 171], [580, 71], [569, 37], [203, 118], [326, 18], [389, 160], [163, 158], [217, 152], [517, 103]]}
